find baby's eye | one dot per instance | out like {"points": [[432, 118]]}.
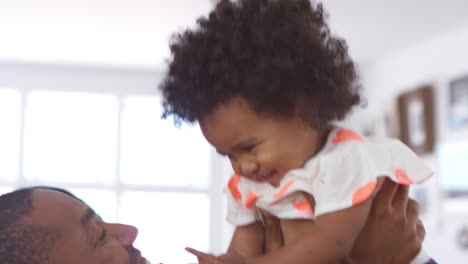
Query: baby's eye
{"points": [[248, 148]]}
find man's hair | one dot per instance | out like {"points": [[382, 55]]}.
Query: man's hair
{"points": [[22, 243], [278, 55]]}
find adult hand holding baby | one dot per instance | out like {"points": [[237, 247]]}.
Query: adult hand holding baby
{"points": [[395, 217]]}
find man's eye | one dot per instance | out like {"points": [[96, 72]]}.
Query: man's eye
{"points": [[103, 235]]}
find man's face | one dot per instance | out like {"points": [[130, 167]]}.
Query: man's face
{"points": [[83, 236]]}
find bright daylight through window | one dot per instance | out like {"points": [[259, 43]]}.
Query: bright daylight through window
{"points": [[116, 154]]}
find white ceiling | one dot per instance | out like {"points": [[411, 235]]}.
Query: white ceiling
{"points": [[135, 33]]}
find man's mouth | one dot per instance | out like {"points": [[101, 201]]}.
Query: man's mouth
{"points": [[145, 261], [137, 258], [142, 260]]}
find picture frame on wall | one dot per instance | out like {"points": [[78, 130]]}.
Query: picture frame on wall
{"points": [[458, 103], [417, 122]]}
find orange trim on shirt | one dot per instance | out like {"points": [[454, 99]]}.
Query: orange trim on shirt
{"points": [[303, 206], [283, 190], [233, 186], [250, 200], [364, 192], [402, 177], [344, 135]]}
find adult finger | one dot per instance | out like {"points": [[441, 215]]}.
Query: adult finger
{"points": [[412, 211], [400, 199], [420, 231], [380, 181], [384, 197], [273, 232]]}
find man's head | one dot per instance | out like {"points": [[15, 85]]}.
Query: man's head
{"points": [[21, 243], [51, 226]]}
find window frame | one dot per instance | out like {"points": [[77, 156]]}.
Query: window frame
{"points": [[45, 78]]}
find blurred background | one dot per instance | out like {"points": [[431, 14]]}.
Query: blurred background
{"points": [[79, 109]]}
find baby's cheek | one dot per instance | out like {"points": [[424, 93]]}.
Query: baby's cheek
{"points": [[274, 160], [267, 158], [234, 167]]}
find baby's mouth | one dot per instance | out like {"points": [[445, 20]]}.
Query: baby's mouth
{"points": [[269, 177]]}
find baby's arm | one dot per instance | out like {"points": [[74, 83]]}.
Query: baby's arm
{"points": [[248, 240], [391, 213], [330, 240]]}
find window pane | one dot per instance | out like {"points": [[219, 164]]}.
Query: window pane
{"points": [[4, 190], [168, 222], [103, 202], [10, 118], [453, 166], [70, 137], [154, 151]]}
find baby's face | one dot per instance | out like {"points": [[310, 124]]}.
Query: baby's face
{"points": [[260, 147]]}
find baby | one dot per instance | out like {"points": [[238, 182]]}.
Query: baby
{"points": [[267, 82]]}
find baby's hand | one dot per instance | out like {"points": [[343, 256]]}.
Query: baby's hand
{"points": [[230, 258]]}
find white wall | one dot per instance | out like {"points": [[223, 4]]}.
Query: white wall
{"points": [[432, 62], [78, 78]]}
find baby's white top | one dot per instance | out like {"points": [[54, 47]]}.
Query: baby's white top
{"points": [[344, 173]]}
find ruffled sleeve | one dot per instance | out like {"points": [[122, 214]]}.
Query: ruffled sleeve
{"points": [[353, 167], [241, 208]]}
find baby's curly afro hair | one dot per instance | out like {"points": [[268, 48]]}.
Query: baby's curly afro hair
{"points": [[278, 55]]}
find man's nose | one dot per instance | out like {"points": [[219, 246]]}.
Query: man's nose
{"points": [[125, 234]]}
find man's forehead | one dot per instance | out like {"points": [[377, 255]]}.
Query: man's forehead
{"points": [[54, 207], [55, 197]]}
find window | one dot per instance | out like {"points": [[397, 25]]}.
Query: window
{"points": [[114, 152], [10, 133], [153, 150], [453, 159], [4, 190], [176, 214], [70, 137]]}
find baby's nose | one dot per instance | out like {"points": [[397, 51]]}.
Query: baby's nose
{"points": [[249, 168]]}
